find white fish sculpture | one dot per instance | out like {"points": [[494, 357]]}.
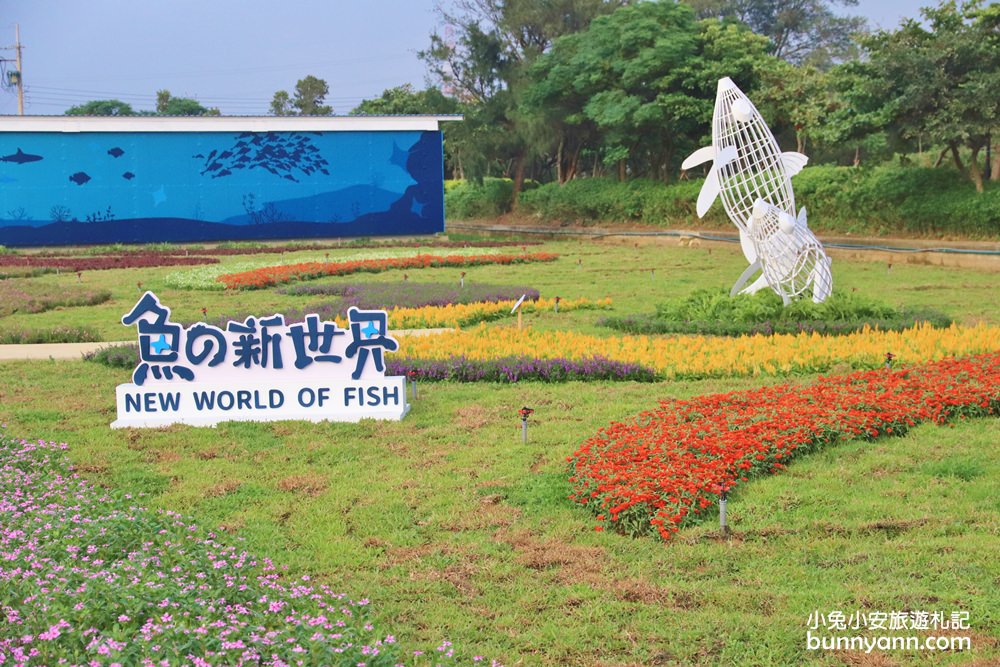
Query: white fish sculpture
{"points": [[790, 256], [748, 166]]}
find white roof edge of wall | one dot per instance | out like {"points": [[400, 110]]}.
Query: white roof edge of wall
{"points": [[221, 123]]}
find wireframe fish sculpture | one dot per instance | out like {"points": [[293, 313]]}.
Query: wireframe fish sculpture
{"points": [[747, 168]]}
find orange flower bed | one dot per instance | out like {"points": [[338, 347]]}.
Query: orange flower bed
{"points": [[274, 275]]}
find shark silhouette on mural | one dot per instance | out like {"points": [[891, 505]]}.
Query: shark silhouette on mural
{"points": [[282, 154], [20, 157]]}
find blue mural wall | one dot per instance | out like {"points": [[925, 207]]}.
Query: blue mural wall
{"points": [[140, 187]]}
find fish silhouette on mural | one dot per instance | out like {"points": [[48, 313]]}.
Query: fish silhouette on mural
{"points": [[128, 175], [20, 157], [79, 178], [116, 152], [281, 154]]}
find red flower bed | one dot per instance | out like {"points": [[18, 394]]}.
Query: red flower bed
{"points": [[100, 262], [273, 275], [666, 466]]}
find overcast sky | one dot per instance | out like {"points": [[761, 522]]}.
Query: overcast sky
{"points": [[233, 54]]}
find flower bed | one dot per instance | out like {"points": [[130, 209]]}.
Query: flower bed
{"points": [[274, 275], [662, 469], [515, 369], [693, 357], [123, 261], [89, 578], [412, 294], [32, 297], [207, 277]]}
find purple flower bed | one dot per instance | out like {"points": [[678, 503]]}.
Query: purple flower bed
{"points": [[515, 369], [89, 578]]}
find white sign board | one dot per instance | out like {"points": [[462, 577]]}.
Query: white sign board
{"points": [[259, 370]]}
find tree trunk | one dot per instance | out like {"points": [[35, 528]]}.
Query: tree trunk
{"points": [[800, 142], [621, 171], [974, 171], [560, 177], [940, 158], [857, 156], [518, 180], [958, 158], [571, 166], [995, 164]]}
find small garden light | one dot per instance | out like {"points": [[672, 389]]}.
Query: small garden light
{"points": [[889, 356], [204, 312], [412, 375], [723, 498], [557, 304], [525, 412], [79, 276], [461, 280]]}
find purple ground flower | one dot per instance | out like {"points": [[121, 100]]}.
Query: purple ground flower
{"points": [[87, 577]]}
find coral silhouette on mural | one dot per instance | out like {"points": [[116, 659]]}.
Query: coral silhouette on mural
{"points": [[754, 180]]}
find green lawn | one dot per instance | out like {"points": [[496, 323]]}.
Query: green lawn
{"points": [[455, 529]]}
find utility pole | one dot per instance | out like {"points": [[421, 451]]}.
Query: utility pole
{"points": [[20, 76], [16, 76]]}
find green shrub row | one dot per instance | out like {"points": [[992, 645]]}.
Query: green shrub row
{"points": [[876, 200], [711, 312]]}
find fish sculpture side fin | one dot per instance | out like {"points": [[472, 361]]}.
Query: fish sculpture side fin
{"points": [[802, 219], [793, 162], [700, 156], [822, 280], [757, 286], [746, 245], [712, 187], [744, 277]]}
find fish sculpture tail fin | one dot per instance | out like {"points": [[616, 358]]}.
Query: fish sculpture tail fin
{"points": [[802, 220]]}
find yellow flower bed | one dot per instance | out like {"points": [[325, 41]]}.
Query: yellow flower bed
{"points": [[707, 356], [466, 314]]}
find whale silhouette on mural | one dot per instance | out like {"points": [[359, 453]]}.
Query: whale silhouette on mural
{"points": [[116, 152], [281, 154], [128, 175], [79, 178], [20, 157]]}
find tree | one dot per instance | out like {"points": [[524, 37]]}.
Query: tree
{"points": [[940, 82], [281, 104], [638, 86], [483, 61], [801, 31], [102, 108], [404, 100], [307, 101], [168, 105]]}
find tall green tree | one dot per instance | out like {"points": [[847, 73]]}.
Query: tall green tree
{"points": [[940, 78], [801, 31], [482, 59], [403, 100], [310, 93], [639, 85], [102, 108]]}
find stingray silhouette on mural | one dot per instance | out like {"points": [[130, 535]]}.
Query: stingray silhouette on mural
{"points": [[280, 154]]}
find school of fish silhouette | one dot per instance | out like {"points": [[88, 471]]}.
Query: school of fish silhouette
{"points": [[754, 179]]}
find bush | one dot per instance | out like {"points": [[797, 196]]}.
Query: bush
{"points": [[489, 199], [883, 199], [116, 356], [54, 335], [710, 312]]}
